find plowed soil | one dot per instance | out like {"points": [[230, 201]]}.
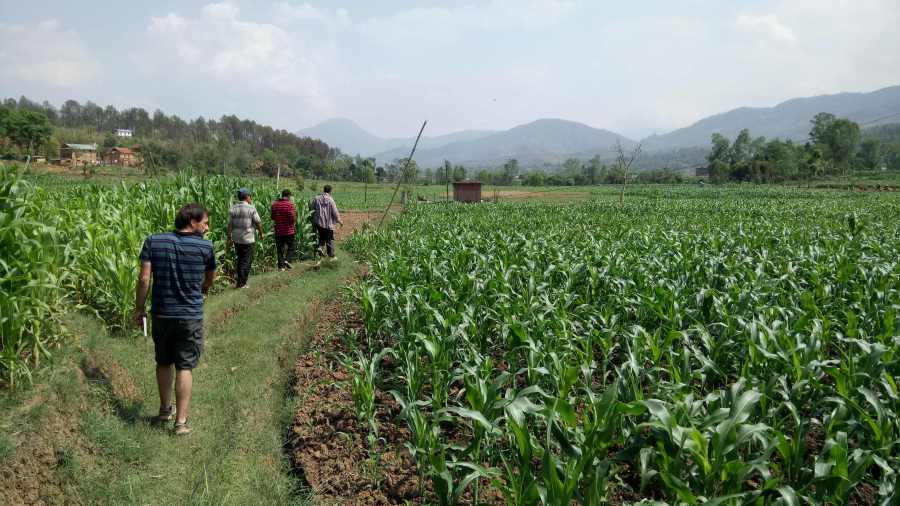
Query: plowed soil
{"points": [[352, 221], [329, 446]]}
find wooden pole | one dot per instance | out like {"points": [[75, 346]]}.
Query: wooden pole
{"points": [[402, 172], [447, 181]]}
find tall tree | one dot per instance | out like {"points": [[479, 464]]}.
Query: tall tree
{"points": [[510, 170], [721, 149], [740, 149], [28, 129], [624, 160], [870, 154]]}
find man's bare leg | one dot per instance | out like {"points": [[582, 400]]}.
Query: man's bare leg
{"points": [[183, 383], [165, 375]]}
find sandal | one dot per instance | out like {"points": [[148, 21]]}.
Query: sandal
{"points": [[182, 428], [165, 415]]}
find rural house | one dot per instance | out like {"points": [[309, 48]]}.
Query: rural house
{"points": [[120, 156], [78, 154]]}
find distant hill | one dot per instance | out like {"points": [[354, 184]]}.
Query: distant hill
{"points": [[787, 120], [347, 136], [549, 142], [545, 141], [352, 139]]}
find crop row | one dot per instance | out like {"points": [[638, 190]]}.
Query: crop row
{"points": [[78, 245], [733, 349]]}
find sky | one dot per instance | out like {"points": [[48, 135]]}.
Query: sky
{"points": [[636, 68]]}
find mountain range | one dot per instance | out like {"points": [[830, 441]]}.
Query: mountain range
{"points": [[551, 141]]}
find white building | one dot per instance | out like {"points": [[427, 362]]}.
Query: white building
{"points": [[124, 132]]}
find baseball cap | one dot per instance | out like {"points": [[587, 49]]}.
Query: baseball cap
{"points": [[243, 193]]}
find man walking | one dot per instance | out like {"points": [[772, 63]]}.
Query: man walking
{"points": [[183, 267], [242, 219], [284, 215], [325, 215]]}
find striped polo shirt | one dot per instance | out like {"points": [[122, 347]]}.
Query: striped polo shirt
{"points": [[179, 263]]}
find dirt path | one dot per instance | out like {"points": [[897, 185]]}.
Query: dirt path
{"points": [[354, 220], [109, 453]]}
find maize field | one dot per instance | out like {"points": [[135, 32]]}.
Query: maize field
{"points": [[78, 245], [701, 346]]}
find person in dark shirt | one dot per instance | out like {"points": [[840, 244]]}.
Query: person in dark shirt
{"points": [[182, 265], [284, 215]]}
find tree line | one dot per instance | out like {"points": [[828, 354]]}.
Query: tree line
{"points": [[835, 147], [229, 144]]}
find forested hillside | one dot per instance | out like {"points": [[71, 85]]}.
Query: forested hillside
{"points": [[229, 144]]}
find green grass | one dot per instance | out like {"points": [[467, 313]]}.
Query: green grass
{"points": [[238, 411]]}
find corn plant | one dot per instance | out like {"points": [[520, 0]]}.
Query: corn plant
{"points": [[722, 347]]}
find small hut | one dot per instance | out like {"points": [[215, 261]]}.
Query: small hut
{"points": [[467, 191], [78, 154], [120, 156]]}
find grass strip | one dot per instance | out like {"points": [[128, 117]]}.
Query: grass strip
{"points": [[235, 453]]}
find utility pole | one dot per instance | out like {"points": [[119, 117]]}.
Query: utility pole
{"points": [[447, 181], [402, 173]]}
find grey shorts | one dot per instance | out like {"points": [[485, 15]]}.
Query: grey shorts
{"points": [[178, 342]]}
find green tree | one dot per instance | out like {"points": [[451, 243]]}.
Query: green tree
{"points": [[28, 129], [109, 141], [740, 149], [485, 176], [719, 171], [410, 173], [535, 178], [369, 175], [843, 139], [510, 171], [459, 173], [821, 123], [592, 170], [870, 154], [721, 149]]}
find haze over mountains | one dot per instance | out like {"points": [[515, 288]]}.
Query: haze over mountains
{"points": [[551, 141]]}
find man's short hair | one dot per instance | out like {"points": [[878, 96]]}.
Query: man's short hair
{"points": [[285, 193], [327, 188], [188, 213]]}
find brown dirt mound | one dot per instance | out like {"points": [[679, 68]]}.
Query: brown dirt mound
{"points": [[329, 446], [48, 447], [100, 366]]}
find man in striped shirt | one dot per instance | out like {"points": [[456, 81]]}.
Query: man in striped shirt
{"points": [[182, 265], [284, 215], [242, 219]]}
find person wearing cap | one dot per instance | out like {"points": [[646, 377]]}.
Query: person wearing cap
{"points": [[284, 215], [242, 219]]}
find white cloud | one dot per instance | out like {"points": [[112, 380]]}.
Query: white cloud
{"points": [[300, 11], [445, 25], [308, 16], [767, 26], [46, 54], [235, 54]]}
